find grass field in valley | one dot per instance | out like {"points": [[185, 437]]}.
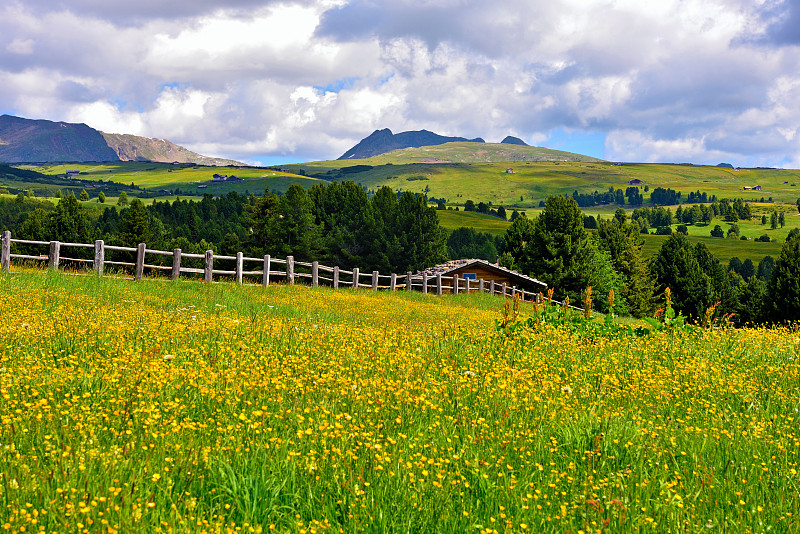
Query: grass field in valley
{"points": [[159, 406], [187, 178]]}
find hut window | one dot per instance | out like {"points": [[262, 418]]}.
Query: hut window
{"points": [[470, 276]]}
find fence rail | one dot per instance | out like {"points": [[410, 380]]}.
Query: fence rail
{"points": [[425, 283]]}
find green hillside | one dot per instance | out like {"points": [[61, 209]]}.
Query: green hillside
{"points": [[723, 249], [187, 178], [528, 183], [467, 152], [451, 220]]}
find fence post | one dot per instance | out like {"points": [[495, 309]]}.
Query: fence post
{"points": [[504, 289], [336, 277], [439, 284], [408, 281], [208, 272], [5, 255], [481, 285], [393, 283], [140, 260], [455, 283], [425, 282], [265, 277], [99, 257], [374, 280], [491, 287], [55, 253], [355, 277], [176, 263], [315, 273], [239, 266], [290, 269], [466, 285]]}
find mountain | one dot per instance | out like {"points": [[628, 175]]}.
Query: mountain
{"points": [[26, 140], [511, 140], [382, 141], [135, 148], [23, 140]]}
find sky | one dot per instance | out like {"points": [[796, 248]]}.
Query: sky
{"points": [[267, 82]]}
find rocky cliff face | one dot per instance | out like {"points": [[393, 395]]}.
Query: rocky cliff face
{"points": [[25, 140], [135, 148], [382, 141]]}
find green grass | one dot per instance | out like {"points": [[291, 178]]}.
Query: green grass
{"points": [[450, 220], [532, 182], [157, 176], [722, 248], [181, 406]]}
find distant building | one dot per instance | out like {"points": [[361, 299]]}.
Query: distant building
{"points": [[635, 181], [202, 186], [73, 173], [234, 178], [219, 177], [619, 164], [509, 171]]}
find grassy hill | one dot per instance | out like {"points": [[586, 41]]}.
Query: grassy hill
{"points": [[530, 182], [189, 179], [451, 220], [469, 152]]}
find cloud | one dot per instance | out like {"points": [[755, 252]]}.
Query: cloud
{"points": [[142, 11], [696, 80]]}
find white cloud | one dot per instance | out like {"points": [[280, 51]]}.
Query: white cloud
{"points": [[671, 80], [20, 46]]}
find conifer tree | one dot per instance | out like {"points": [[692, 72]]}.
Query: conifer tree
{"points": [[624, 243], [560, 252], [784, 285]]}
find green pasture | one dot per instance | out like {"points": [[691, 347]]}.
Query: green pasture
{"points": [[531, 182], [722, 248], [189, 179], [450, 220]]}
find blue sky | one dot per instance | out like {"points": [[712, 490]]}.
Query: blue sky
{"points": [[703, 81]]}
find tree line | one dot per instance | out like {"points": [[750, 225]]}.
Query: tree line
{"points": [[556, 248], [340, 224], [335, 223]]}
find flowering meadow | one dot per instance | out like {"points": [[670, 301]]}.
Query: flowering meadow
{"points": [[159, 406]]}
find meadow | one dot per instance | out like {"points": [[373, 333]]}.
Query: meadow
{"points": [[187, 178], [161, 406]]}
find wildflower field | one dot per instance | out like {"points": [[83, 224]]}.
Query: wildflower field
{"points": [[185, 407]]}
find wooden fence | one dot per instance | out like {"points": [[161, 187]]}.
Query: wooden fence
{"points": [[267, 269]]}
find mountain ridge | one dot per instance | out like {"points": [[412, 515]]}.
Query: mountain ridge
{"points": [[43, 141], [383, 141]]}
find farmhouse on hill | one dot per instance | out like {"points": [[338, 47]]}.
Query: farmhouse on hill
{"points": [[481, 269], [635, 181]]}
